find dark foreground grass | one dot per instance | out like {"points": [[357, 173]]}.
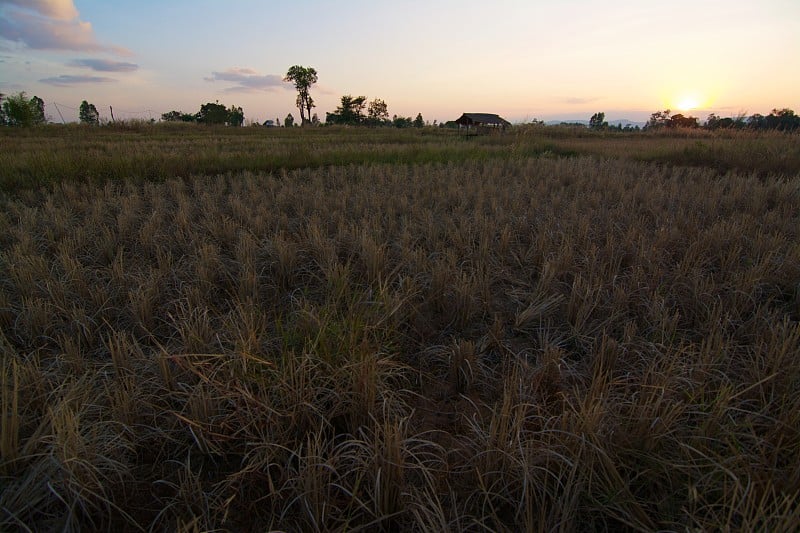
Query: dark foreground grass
{"points": [[510, 343]]}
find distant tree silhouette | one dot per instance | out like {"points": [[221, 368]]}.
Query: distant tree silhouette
{"points": [[178, 116], [303, 78], [377, 112], [783, 120], [661, 119], [88, 113], [757, 121], [235, 116], [714, 122], [680, 121], [288, 121], [402, 122], [658, 119], [349, 112], [212, 113], [597, 121], [216, 113], [419, 122]]}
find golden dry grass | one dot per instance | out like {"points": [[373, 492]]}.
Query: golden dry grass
{"points": [[513, 343]]}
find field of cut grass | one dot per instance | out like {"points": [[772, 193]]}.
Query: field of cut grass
{"points": [[50, 155], [366, 330]]}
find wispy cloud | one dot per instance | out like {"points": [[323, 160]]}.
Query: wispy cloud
{"points": [[66, 80], [248, 80], [579, 100], [104, 65], [50, 25]]}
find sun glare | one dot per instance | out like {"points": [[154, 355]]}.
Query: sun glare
{"points": [[687, 103]]}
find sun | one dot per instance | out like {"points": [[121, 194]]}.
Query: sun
{"points": [[687, 103]]}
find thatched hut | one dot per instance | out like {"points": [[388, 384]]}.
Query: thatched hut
{"points": [[482, 121]]}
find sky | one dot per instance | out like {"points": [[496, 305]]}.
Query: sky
{"points": [[525, 60]]}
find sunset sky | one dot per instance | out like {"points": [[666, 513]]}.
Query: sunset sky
{"points": [[522, 59]]}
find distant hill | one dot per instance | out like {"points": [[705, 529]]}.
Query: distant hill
{"points": [[616, 122]]}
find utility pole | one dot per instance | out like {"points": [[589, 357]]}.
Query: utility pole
{"points": [[59, 113]]}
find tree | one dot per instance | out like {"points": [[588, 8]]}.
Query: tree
{"points": [[402, 122], [216, 113], [288, 121], [598, 121], [178, 116], [18, 110], [419, 122], [377, 112], [351, 111], [37, 109], [757, 121], [714, 122], [235, 116], [658, 119], [315, 120], [303, 78], [680, 121], [88, 113], [278, 122], [212, 113], [783, 119]]}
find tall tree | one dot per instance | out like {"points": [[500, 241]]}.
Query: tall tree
{"points": [[37, 109], [377, 112], [88, 113], [303, 78], [19, 110]]}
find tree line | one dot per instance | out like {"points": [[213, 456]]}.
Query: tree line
{"points": [[19, 110], [779, 119], [351, 112], [210, 113]]}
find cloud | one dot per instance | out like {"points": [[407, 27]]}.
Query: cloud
{"points": [[50, 25], [68, 81], [54, 9], [579, 100], [248, 80], [104, 65]]}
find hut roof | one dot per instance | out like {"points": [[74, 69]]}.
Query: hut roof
{"points": [[482, 118]]}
